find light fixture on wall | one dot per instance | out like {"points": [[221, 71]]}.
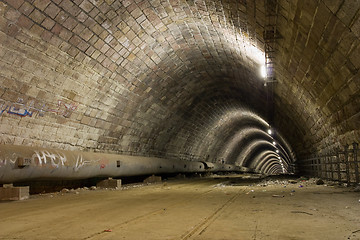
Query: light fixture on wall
{"points": [[263, 71]]}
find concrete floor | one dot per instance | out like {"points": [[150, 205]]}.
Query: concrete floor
{"points": [[203, 208]]}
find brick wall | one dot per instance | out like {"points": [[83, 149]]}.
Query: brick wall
{"points": [[137, 77]]}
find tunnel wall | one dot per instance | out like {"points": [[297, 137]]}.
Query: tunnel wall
{"points": [[121, 76], [99, 76], [318, 73], [111, 77]]}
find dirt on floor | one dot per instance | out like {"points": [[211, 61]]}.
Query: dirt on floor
{"points": [[214, 207]]}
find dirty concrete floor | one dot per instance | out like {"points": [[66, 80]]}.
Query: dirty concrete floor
{"points": [[203, 208]]}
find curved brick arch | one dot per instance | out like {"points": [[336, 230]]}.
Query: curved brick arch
{"points": [[137, 77]]}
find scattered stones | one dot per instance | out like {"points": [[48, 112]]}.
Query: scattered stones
{"points": [[93, 188], [251, 191], [319, 182], [292, 181], [303, 178], [302, 212], [65, 190], [152, 179], [357, 189], [279, 196], [182, 176], [266, 183], [220, 185]]}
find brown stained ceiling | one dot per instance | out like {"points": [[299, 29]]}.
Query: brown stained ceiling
{"points": [[161, 77]]}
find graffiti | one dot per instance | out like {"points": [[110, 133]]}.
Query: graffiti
{"points": [[19, 111], [51, 159], [3, 107], [28, 109], [8, 160], [2, 162], [21, 108], [45, 157], [64, 109], [80, 162], [103, 163]]}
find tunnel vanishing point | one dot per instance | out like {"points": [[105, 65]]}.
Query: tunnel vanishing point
{"points": [[111, 88]]}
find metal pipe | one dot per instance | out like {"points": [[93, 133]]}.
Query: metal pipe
{"points": [[21, 163]]}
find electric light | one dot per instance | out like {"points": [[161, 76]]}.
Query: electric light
{"points": [[263, 71]]}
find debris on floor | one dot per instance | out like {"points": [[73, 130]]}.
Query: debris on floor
{"points": [[319, 182], [280, 196], [301, 212]]}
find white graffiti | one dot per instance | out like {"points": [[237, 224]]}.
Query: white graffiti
{"points": [[55, 159], [2, 162], [52, 159], [8, 159], [80, 162]]}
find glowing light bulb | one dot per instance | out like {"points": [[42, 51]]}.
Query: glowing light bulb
{"points": [[269, 131], [263, 71]]}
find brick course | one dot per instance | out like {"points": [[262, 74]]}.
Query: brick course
{"points": [[152, 77]]}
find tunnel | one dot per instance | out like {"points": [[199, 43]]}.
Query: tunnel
{"points": [[108, 89]]}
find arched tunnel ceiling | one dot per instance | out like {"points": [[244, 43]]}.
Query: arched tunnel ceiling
{"points": [[166, 78]]}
